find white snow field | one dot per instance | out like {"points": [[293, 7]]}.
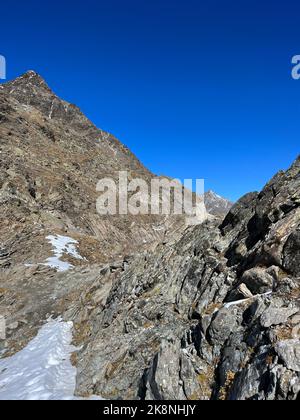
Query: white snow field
{"points": [[42, 370]]}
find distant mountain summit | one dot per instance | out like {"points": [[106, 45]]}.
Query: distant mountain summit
{"points": [[216, 205]]}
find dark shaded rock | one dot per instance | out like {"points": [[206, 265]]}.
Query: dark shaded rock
{"points": [[291, 254], [239, 213], [224, 323]]}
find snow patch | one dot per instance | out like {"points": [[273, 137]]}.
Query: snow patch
{"points": [[42, 370], [51, 109], [238, 302], [62, 245]]}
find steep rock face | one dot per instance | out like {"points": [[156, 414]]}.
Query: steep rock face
{"points": [[214, 315]]}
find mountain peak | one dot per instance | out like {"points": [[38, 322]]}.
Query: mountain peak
{"points": [[32, 75], [31, 89], [27, 81], [216, 205], [212, 193]]}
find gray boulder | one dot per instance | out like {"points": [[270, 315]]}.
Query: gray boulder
{"points": [[258, 281], [289, 352], [276, 316]]}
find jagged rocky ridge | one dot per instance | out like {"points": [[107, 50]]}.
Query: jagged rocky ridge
{"points": [[207, 312], [214, 315]]}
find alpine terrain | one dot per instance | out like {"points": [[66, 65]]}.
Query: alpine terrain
{"points": [[136, 307]]}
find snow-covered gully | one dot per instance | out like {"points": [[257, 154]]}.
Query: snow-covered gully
{"points": [[42, 370]]}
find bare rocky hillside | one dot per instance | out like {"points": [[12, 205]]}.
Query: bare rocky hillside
{"points": [[51, 159]]}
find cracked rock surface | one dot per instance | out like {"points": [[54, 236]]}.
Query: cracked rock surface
{"points": [[175, 325]]}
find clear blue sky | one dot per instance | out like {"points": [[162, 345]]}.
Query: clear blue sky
{"points": [[196, 89]]}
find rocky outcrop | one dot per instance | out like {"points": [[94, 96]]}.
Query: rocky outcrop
{"points": [[175, 324]]}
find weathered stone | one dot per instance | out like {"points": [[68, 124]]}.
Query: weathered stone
{"points": [[291, 254], [244, 291], [286, 285], [258, 281], [163, 376], [289, 352], [224, 323], [247, 383], [276, 316]]}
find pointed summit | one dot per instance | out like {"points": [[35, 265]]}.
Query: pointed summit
{"points": [[32, 76], [32, 73], [26, 84], [31, 89], [216, 205]]}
